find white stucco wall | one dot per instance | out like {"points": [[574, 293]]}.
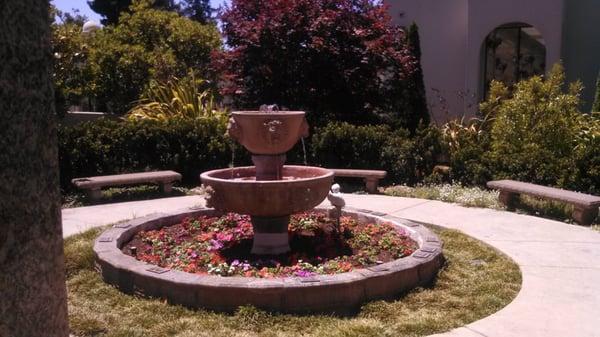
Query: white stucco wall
{"points": [[452, 33], [486, 15], [443, 33]]}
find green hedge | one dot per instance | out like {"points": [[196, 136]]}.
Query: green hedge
{"points": [[191, 147], [109, 147], [407, 159]]}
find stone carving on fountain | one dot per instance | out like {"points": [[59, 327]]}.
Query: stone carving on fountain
{"points": [[269, 191]]}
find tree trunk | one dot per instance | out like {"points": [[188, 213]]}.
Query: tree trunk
{"points": [[32, 273]]}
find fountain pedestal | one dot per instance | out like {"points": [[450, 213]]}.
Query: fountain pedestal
{"points": [[269, 192], [268, 167], [270, 235]]}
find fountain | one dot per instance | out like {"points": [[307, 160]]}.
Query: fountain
{"points": [[269, 192]]}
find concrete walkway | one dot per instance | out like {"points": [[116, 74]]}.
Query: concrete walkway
{"points": [[560, 263]]}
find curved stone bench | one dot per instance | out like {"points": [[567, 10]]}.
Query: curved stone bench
{"points": [[93, 185], [585, 205], [371, 177], [339, 293]]}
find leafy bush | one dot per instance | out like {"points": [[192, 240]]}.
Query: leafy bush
{"points": [[115, 65], [178, 98], [534, 131], [407, 160], [586, 155], [109, 147], [336, 59], [468, 144], [72, 78]]}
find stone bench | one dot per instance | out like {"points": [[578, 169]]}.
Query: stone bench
{"points": [[585, 205], [93, 185], [371, 177]]}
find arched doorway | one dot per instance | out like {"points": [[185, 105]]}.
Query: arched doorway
{"points": [[513, 52]]}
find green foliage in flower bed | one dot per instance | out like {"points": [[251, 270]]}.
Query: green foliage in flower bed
{"points": [[221, 246], [466, 196], [476, 282]]}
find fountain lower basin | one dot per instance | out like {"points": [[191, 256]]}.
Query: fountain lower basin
{"points": [[236, 190], [338, 294]]}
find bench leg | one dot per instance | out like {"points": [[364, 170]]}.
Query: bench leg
{"points": [[166, 188], [509, 199], [94, 194], [371, 184], [585, 216]]}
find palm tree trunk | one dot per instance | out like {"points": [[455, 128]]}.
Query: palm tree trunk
{"points": [[32, 272]]}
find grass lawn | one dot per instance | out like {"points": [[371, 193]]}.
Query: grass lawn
{"points": [[477, 197], [476, 282], [121, 194]]}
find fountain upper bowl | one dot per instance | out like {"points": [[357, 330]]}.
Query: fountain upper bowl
{"points": [[267, 132], [236, 190]]}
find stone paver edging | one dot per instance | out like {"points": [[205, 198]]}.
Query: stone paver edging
{"points": [[338, 293], [560, 263]]}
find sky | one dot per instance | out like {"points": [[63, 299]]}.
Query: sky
{"points": [[84, 9]]}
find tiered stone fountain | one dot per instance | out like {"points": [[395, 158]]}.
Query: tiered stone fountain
{"points": [[269, 191]]}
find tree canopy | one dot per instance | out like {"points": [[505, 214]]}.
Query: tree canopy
{"points": [[116, 64], [111, 10], [335, 58]]}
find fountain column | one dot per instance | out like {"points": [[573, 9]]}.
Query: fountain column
{"points": [[270, 233], [268, 135]]}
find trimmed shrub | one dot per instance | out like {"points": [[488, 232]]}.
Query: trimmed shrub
{"points": [[110, 147], [192, 146], [586, 155], [407, 160]]}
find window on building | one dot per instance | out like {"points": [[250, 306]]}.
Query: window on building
{"points": [[513, 52]]}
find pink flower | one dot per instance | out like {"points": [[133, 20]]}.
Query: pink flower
{"points": [[224, 237]]}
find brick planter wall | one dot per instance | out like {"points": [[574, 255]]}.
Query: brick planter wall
{"points": [[339, 293]]}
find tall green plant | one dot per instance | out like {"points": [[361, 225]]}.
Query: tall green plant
{"points": [[177, 98], [416, 96], [596, 106]]}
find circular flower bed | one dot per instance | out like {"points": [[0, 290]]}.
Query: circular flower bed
{"points": [[221, 246]]}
